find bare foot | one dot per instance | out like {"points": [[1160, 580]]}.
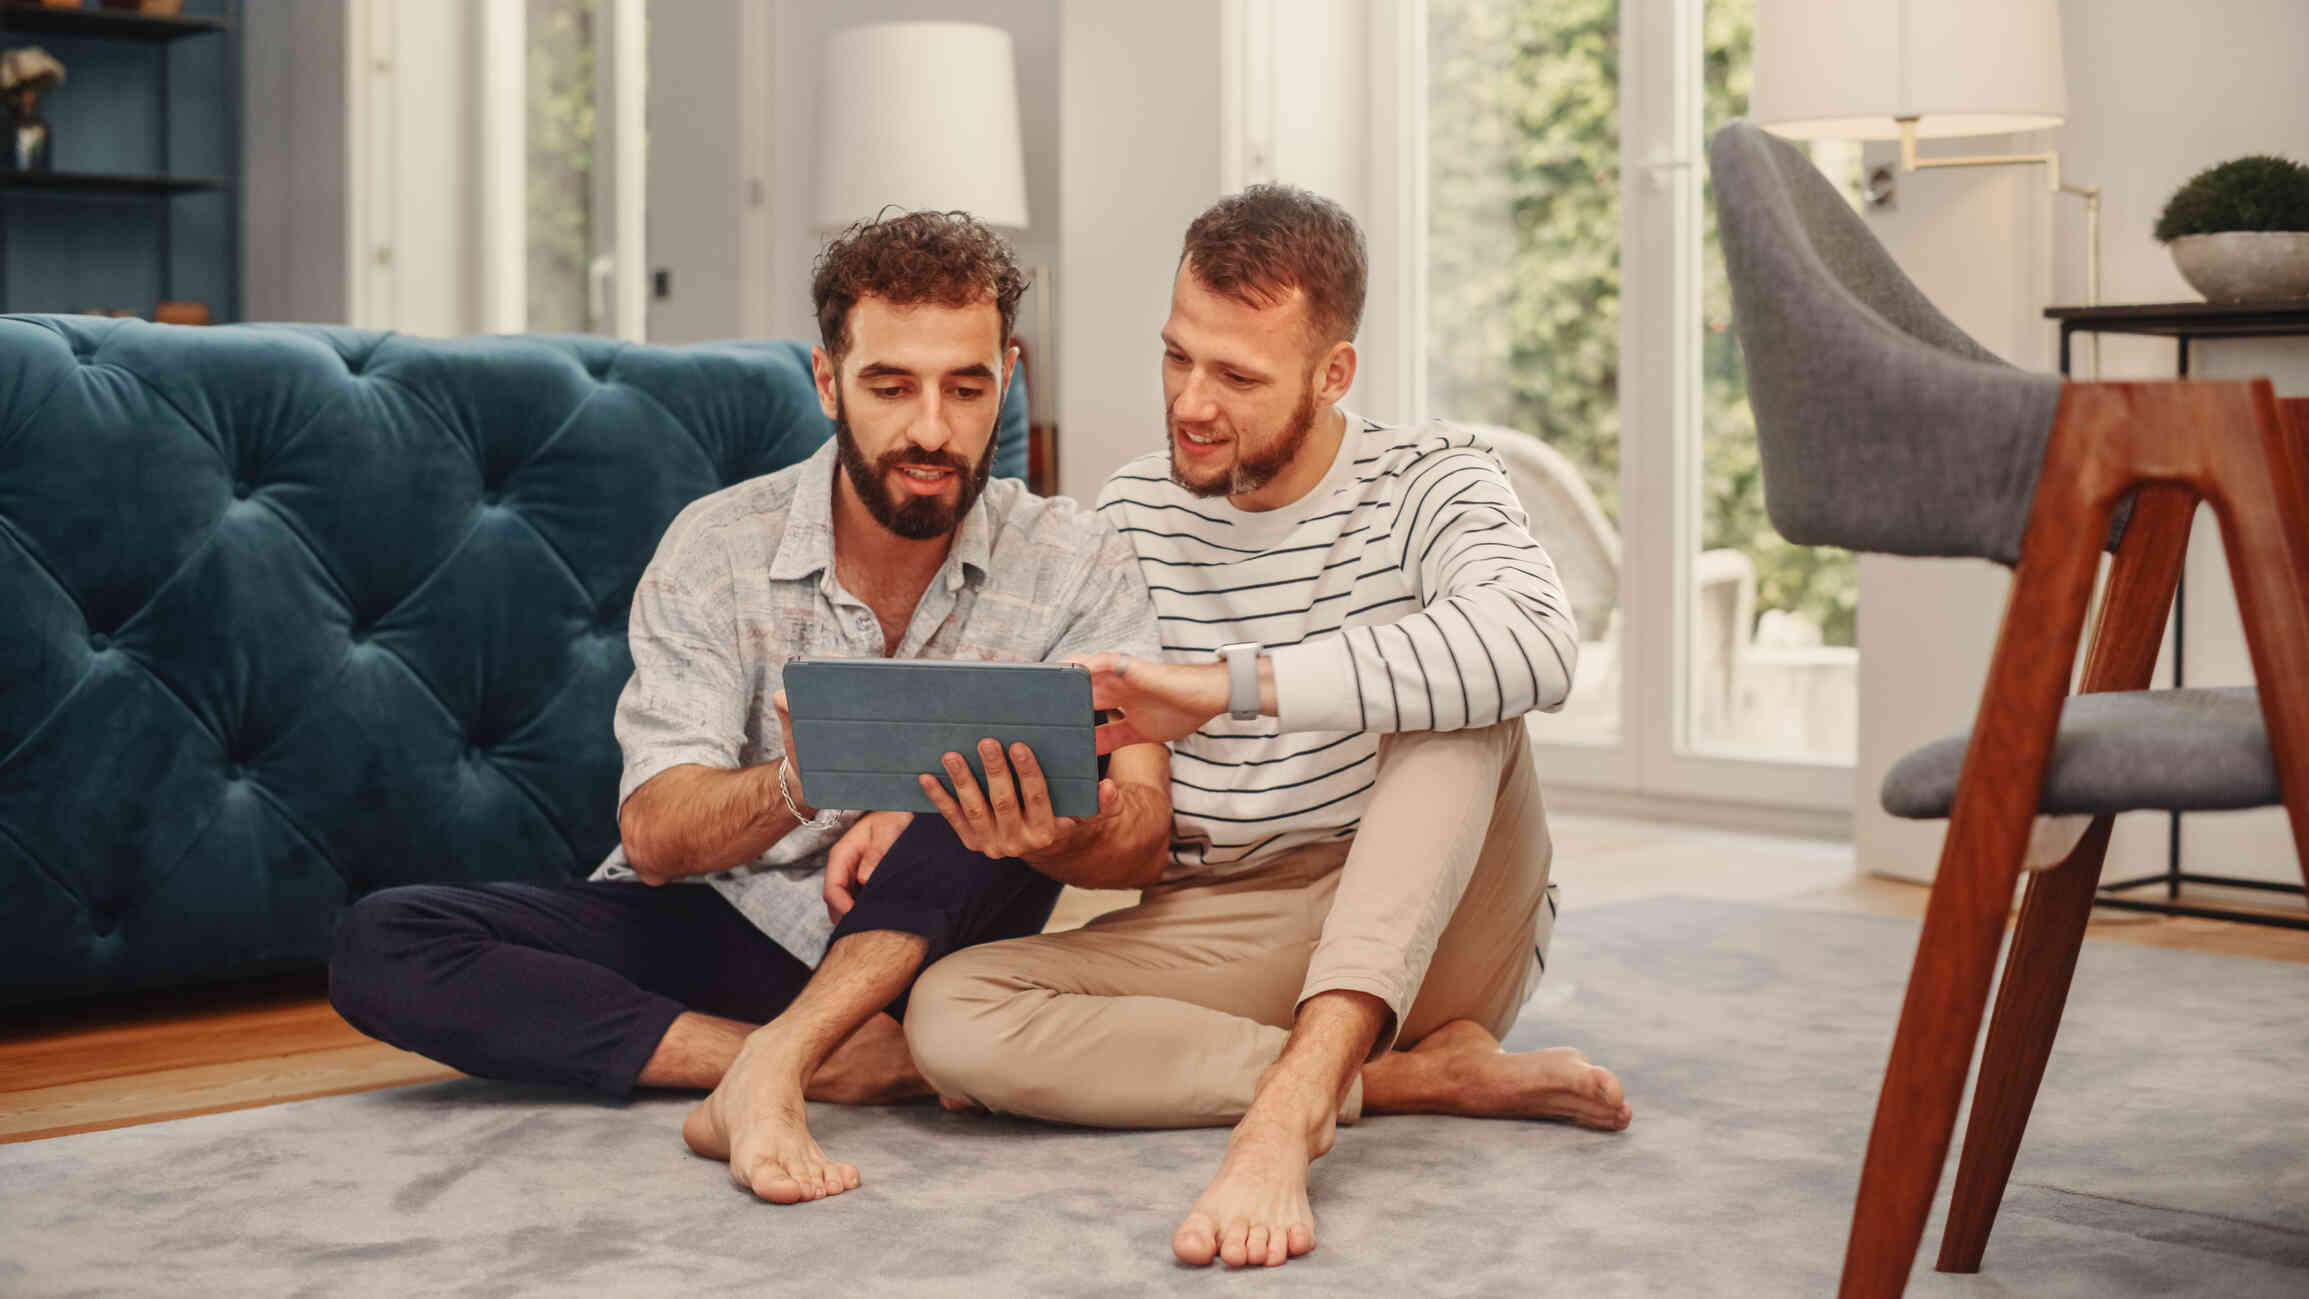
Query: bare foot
{"points": [[1460, 1069], [1255, 1212], [756, 1121]]}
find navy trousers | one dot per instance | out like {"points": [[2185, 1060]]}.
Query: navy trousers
{"points": [[577, 983]]}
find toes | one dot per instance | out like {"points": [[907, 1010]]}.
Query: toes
{"points": [[850, 1177], [1255, 1246], [776, 1185], [1231, 1243], [1605, 1086], [1301, 1238], [1197, 1240]]}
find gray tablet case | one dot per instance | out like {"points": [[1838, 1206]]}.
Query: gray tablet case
{"points": [[864, 729]]}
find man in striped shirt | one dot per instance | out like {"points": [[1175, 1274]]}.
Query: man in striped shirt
{"points": [[1355, 620]]}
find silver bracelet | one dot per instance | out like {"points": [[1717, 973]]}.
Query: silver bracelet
{"points": [[823, 820]]}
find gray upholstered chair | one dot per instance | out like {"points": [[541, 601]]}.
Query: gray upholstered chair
{"points": [[1882, 427]]}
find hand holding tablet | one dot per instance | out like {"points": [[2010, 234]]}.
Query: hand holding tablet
{"points": [[1014, 742]]}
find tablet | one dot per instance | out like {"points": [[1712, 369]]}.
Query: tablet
{"points": [[865, 729]]}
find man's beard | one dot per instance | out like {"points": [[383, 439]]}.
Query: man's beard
{"points": [[1251, 472], [916, 518]]}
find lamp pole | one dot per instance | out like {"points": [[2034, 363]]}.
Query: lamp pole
{"points": [[2091, 194]]}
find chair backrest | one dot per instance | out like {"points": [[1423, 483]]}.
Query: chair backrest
{"points": [[1880, 425]]}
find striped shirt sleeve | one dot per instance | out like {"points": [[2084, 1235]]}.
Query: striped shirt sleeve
{"points": [[1493, 638]]}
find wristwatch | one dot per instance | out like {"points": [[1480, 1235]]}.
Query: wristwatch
{"points": [[1242, 680]]}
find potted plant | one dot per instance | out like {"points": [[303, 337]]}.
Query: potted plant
{"points": [[2240, 231], [26, 73]]}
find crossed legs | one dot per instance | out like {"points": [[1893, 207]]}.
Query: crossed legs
{"points": [[610, 986], [1255, 1001]]}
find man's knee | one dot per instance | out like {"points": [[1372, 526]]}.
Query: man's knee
{"points": [[950, 1024], [369, 958], [1495, 745]]}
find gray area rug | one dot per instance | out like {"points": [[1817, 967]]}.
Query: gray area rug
{"points": [[2167, 1157]]}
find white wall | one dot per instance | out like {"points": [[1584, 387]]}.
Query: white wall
{"points": [[293, 137], [2154, 97], [1139, 95], [414, 212], [698, 172]]}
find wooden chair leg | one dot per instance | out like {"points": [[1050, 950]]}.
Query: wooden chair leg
{"points": [[2029, 1001], [1996, 801], [2264, 516], [2042, 962]]}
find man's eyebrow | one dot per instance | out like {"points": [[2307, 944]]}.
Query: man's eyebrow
{"points": [[887, 370], [1246, 370]]}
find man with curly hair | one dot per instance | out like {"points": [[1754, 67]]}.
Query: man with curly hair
{"points": [[781, 979]]}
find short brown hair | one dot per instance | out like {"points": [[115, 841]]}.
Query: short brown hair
{"points": [[949, 259], [1256, 246]]}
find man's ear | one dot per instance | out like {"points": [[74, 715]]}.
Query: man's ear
{"points": [[1009, 370], [826, 374], [1336, 374]]}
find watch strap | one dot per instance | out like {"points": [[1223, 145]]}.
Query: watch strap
{"points": [[1242, 680]]}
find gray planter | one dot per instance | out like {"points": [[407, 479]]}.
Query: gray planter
{"points": [[2245, 265]]}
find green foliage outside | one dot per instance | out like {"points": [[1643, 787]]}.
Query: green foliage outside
{"points": [[1524, 305], [2260, 192], [559, 189]]}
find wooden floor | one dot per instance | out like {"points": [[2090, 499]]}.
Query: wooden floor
{"points": [[109, 1064]]}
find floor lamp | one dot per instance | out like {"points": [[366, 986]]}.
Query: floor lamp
{"points": [[1922, 69], [923, 116]]}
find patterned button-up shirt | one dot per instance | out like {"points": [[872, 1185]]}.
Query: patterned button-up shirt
{"points": [[744, 581]]}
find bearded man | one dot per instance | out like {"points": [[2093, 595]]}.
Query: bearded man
{"points": [[714, 949]]}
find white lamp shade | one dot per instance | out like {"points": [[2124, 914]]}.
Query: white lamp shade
{"points": [[1851, 68], [923, 116]]}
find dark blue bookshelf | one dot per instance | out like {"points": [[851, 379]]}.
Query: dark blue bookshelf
{"points": [[144, 203]]}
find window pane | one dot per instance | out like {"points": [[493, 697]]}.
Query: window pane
{"points": [[1773, 663], [560, 121], [1523, 282]]}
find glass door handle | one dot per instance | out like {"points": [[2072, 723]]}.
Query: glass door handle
{"points": [[1659, 171]]}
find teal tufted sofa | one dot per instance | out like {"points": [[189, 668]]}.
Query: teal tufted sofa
{"points": [[290, 613]]}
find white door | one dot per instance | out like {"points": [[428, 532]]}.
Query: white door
{"points": [[1530, 174]]}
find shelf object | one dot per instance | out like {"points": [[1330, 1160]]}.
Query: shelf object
{"points": [[98, 183], [150, 208], [29, 19]]}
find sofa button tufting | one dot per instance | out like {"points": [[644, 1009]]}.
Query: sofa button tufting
{"points": [[241, 489], [490, 498], [100, 642], [233, 771]]}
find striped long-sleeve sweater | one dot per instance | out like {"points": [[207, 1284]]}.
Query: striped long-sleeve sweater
{"points": [[1403, 593]]}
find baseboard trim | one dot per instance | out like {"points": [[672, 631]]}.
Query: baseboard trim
{"points": [[1719, 814]]}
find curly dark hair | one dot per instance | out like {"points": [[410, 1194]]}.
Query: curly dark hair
{"points": [[949, 259], [1257, 246]]}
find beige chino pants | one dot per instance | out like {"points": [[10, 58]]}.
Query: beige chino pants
{"points": [[1164, 1014]]}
